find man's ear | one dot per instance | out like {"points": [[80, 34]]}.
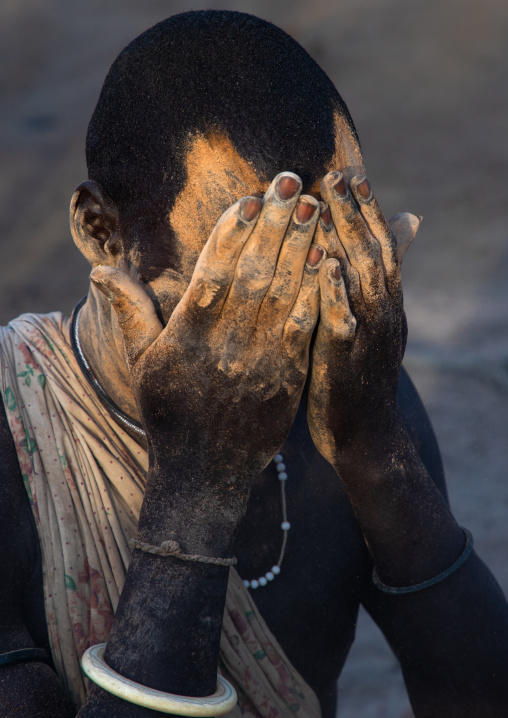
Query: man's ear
{"points": [[95, 225]]}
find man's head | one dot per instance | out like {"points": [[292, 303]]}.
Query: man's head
{"points": [[201, 109]]}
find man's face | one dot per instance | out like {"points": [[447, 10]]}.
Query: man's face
{"points": [[217, 176]]}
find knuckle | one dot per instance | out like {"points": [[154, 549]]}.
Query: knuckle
{"points": [[206, 294], [301, 324], [375, 251], [345, 328], [273, 221], [126, 315], [296, 239], [370, 249], [349, 214], [274, 305], [253, 273], [373, 211], [350, 326]]}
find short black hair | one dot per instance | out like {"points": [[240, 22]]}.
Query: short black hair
{"points": [[206, 70]]}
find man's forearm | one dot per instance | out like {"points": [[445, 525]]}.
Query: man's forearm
{"points": [[32, 690], [410, 532], [167, 627], [166, 631], [451, 641]]}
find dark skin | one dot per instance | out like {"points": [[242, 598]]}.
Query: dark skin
{"points": [[353, 395], [385, 488]]}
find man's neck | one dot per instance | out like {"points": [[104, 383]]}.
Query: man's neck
{"points": [[102, 345]]}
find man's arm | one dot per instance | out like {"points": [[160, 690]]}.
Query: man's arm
{"points": [[452, 638], [29, 689], [236, 347]]}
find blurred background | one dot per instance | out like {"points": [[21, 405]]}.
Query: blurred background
{"points": [[426, 83]]}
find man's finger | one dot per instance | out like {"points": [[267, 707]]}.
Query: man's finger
{"points": [[134, 310], [293, 253], [256, 266], [215, 268], [304, 314], [404, 226], [362, 248], [326, 235], [336, 318], [379, 228]]}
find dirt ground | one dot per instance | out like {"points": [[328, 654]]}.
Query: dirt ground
{"points": [[426, 82]]}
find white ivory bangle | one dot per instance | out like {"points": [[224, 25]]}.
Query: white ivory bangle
{"points": [[222, 701]]}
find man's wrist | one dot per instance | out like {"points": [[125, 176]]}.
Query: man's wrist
{"points": [[194, 505], [369, 446], [406, 523]]}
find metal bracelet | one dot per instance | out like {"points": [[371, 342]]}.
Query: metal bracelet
{"points": [[401, 590], [24, 654]]}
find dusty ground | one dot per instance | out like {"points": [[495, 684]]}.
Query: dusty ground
{"points": [[426, 83]]}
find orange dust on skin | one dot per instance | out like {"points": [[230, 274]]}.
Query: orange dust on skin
{"points": [[347, 156], [217, 176]]}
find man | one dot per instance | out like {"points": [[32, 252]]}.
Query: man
{"points": [[181, 377]]}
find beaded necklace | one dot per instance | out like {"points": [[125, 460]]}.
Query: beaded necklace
{"points": [[285, 526]]}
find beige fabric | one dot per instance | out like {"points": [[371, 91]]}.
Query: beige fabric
{"points": [[84, 477]]}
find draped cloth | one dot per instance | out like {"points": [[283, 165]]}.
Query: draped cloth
{"points": [[85, 476]]}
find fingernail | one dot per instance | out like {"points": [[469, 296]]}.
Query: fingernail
{"points": [[251, 207], [341, 187], [100, 286], [315, 255], [287, 187], [304, 210], [326, 215], [364, 189], [336, 272]]}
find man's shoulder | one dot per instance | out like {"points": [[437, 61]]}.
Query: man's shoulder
{"points": [[53, 321]]}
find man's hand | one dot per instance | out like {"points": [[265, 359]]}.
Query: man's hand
{"points": [[362, 330], [352, 408], [219, 386]]}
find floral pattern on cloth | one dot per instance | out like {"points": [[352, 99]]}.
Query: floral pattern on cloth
{"points": [[266, 682], [85, 476]]}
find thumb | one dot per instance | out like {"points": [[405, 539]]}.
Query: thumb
{"points": [[404, 225], [134, 310]]}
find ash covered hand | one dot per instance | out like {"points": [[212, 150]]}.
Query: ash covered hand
{"points": [[362, 331], [218, 387]]}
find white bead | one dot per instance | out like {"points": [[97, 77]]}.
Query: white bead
{"points": [[285, 526]]}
